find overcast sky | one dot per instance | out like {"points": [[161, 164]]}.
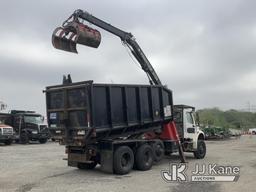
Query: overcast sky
{"points": [[203, 50]]}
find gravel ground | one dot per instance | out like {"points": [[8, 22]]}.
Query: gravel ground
{"points": [[40, 168]]}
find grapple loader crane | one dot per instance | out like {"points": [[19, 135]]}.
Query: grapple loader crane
{"points": [[127, 110], [74, 31]]}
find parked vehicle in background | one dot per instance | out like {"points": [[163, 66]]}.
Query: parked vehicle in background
{"points": [[252, 131], [28, 126], [217, 133], [6, 133], [235, 132]]}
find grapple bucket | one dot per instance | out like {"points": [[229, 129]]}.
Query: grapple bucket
{"points": [[66, 38]]}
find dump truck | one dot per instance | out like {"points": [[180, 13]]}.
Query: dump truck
{"points": [[117, 126], [27, 125]]}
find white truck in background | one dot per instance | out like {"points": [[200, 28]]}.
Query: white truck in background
{"points": [[252, 131], [6, 134]]}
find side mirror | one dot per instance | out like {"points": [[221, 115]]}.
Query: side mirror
{"points": [[197, 119]]}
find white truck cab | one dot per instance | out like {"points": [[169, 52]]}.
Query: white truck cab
{"points": [[191, 136], [6, 134], [252, 131]]}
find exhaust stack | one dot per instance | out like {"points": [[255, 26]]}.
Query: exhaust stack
{"points": [[66, 38]]}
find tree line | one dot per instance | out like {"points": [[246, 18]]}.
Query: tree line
{"points": [[214, 117]]}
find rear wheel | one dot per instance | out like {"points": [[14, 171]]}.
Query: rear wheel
{"points": [[201, 150], [8, 142], [24, 138], [123, 160], [144, 157], [158, 150], [43, 140]]}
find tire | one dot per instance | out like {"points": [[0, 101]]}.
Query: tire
{"points": [[158, 150], [123, 160], [43, 140], [24, 138], [201, 150], [8, 142], [144, 157], [87, 165]]}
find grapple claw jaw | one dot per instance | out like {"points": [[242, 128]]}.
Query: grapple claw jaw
{"points": [[66, 38]]}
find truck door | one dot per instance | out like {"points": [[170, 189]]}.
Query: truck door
{"points": [[189, 124]]}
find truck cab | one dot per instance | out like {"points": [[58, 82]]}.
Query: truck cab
{"points": [[191, 136], [29, 126], [6, 133]]}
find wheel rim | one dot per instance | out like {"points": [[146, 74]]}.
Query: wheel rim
{"points": [[125, 159]]}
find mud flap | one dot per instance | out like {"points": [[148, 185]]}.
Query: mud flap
{"points": [[66, 38], [106, 163]]}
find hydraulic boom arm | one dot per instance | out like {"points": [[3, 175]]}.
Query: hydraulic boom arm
{"points": [[76, 37]]}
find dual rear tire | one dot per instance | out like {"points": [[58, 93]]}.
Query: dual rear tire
{"points": [[125, 159], [144, 157]]}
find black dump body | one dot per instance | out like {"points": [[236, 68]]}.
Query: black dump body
{"points": [[88, 112]]}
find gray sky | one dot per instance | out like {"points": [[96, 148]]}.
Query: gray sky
{"points": [[203, 50]]}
